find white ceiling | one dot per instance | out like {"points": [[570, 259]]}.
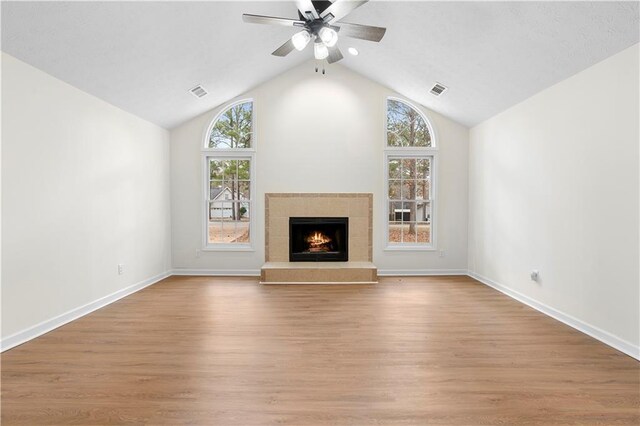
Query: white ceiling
{"points": [[144, 56]]}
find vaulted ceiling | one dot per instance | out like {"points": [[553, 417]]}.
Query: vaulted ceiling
{"points": [[145, 56]]}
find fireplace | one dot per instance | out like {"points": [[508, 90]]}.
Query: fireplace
{"points": [[318, 239]]}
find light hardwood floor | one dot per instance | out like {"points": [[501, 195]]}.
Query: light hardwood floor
{"points": [[408, 351]]}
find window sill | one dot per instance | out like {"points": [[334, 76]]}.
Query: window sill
{"points": [[410, 248], [229, 247]]}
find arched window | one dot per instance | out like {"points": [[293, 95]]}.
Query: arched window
{"points": [[410, 163], [406, 126], [229, 156], [233, 128]]}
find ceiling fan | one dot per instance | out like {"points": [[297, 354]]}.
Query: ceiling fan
{"points": [[320, 20]]}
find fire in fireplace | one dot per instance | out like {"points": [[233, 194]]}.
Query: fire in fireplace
{"points": [[317, 239]]}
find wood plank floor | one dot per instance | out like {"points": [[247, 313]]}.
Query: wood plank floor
{"points": [[227, 351]]}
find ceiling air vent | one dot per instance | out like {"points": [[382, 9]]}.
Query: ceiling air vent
{"points": [[198, 91], [438, 89]]}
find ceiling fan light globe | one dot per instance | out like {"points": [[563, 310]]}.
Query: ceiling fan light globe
{"points": [[328, 36], [320, 50], [301, 39]]}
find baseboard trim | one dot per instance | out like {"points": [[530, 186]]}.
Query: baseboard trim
{"points": [[419, 272], [588, 329], [256, 272], [217, 272], [62, 319]]}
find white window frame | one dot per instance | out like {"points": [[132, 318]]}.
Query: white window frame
{"points": [[229, 154], [411, 152]]}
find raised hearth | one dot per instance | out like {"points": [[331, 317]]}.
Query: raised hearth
{"points": [[319, 273]]}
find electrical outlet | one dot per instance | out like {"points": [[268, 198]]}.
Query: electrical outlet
{"points": [[442, 253], [535, 275], [120, 268], [198, 251]]}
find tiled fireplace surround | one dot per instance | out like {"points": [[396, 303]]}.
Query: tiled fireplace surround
{"points": [[279, 207]]}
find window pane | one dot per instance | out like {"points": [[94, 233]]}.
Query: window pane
{"points": [[242, 225], [394, 235], [422, 190], [408, 232], [215, 187], [423, 168], [423, 226], [408, 211], [244, 171], [394, 207], [244, 211], [233, 127], [243, 190], [394, 189], [394, 168], [215, 232], [408, 168], [397, 212], [408, 189], [406, 127], [423, 233], [423, 211]]}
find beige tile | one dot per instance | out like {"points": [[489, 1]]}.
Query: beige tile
{"points": [[316, 207], [358, 207], [358, 227], [277, 208], [339, 207], [358, 249], [279, 249], [319, 275], [279, 227]]}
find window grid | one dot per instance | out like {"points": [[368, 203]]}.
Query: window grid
{"points": [[409, 202], [229, 200], [228, 156], [409, 163]]}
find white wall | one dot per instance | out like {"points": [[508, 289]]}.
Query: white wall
{"points": [[85, 186], [553, 185], [319, 133]]}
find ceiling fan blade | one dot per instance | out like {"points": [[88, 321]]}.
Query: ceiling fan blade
{"points": [[339, 9], [363, 32], [334, 54], [271, 20], [306, 6], [285, 49]]}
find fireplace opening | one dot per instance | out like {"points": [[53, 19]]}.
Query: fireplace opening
{"points": [[318, 239]]}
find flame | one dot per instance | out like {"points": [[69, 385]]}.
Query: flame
{"points": [[317, 239]]}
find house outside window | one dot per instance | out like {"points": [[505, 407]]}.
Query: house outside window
{"points": [[228, 158], [410, 161]]}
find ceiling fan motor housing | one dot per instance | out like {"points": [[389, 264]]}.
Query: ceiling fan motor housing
{"points": [[319, 5]]}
